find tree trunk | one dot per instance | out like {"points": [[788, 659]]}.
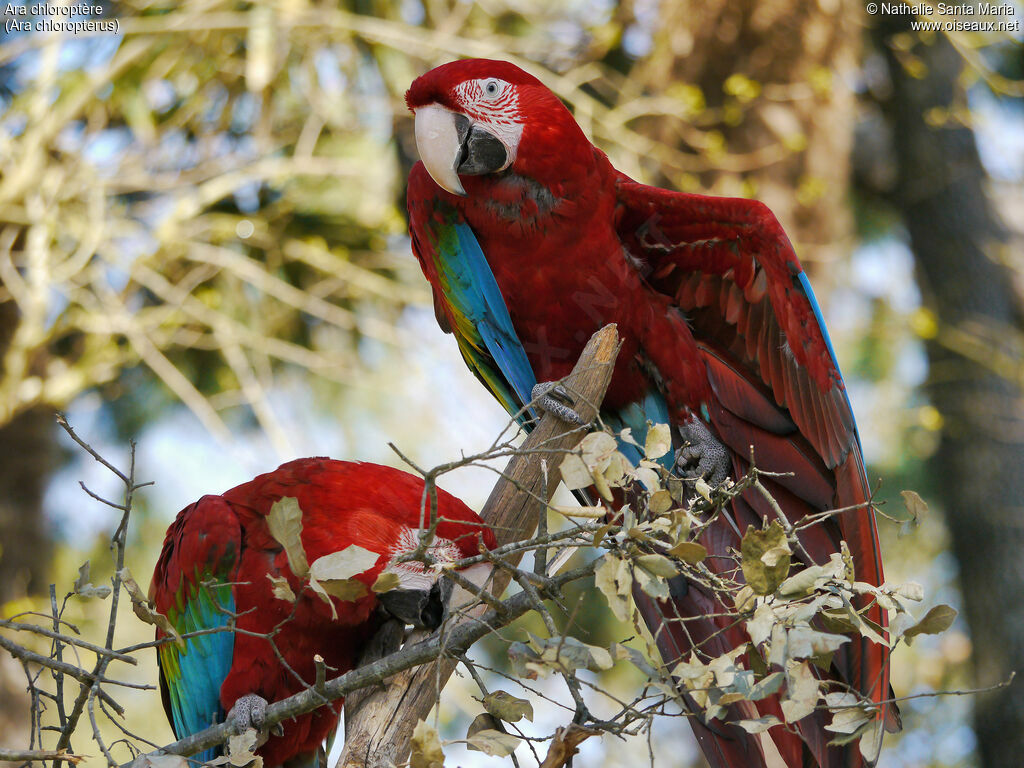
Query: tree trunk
{"points": [[979, 464], [27, 456], [776, 80]]}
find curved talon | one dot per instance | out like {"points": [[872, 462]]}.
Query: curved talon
{"points": [[703, 455], [249, 711], [552, 397]]}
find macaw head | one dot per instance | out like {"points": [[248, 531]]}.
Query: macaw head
{"points": [[477, 117], [423, 591], [381, 510]]}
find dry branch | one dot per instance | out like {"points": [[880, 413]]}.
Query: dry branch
{"points": [[378, 726]]}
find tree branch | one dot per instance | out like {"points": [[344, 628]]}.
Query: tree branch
{"points": [[440, 644], [379, 725]]}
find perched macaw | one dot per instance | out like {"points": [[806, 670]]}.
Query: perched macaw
{"points": [[218, 561], [531, 241]]}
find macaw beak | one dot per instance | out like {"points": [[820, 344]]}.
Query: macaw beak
{"points": [[450, 144], [422, 608]]}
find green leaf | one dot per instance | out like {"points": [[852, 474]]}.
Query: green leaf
{"points": [[689, 552], [765, 558], [507, 707], [937, 620], [657, 565]]}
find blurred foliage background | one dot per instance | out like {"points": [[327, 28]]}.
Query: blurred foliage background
{"points": [[202, 247]]}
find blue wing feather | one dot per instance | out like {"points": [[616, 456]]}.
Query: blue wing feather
{"points": [[473, 294], [194, 675], [192, 586], [805, 284]]}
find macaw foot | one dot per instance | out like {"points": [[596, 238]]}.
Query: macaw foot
{"points": [[702, 455], [552, 397], [250, 711]]}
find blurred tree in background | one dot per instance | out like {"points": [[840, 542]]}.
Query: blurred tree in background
{"points": [[208, 207]]}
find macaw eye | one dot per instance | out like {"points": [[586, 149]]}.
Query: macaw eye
{"points": [[491, 88]]}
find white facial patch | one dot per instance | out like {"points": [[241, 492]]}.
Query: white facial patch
{"points": [[413, 574], [494, 105]]}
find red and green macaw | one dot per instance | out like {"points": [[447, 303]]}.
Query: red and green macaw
{"points": [[218, 561], [531, 241]]}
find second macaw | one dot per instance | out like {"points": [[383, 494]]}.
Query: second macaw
{"points": [[531, 241], [219, 561]]}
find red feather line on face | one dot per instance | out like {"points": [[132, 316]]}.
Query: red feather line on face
{"points": [[226, 539], [716, 318]]}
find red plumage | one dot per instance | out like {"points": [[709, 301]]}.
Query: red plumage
{"points": [[715, 317], [227, 538]]}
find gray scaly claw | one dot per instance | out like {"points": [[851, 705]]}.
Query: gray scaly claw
{"points": [[702, 456], [552, 397], [250, 711]]}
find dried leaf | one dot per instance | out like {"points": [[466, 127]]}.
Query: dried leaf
{"points": [[848, 716], [766, 557], [760, 725], [937, 620], [280, 588], [575, 474], [702, 488], [744, 599], [241, 750], [84, 588], [871, 742], [331, 575], [659, 503], [760, 626], [343, 564], [899, 624], [565, 744], [386, 582], [801, 691], [145, 610], [916, 508], [615, 582], [766, 687], [911, 590], [634, 657], [493, 743], [507, 707], [801, 584], [658, 441], [285, 523], [526, 662], [569, 654], [648, 478], [426, 747], [804, 642]]}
